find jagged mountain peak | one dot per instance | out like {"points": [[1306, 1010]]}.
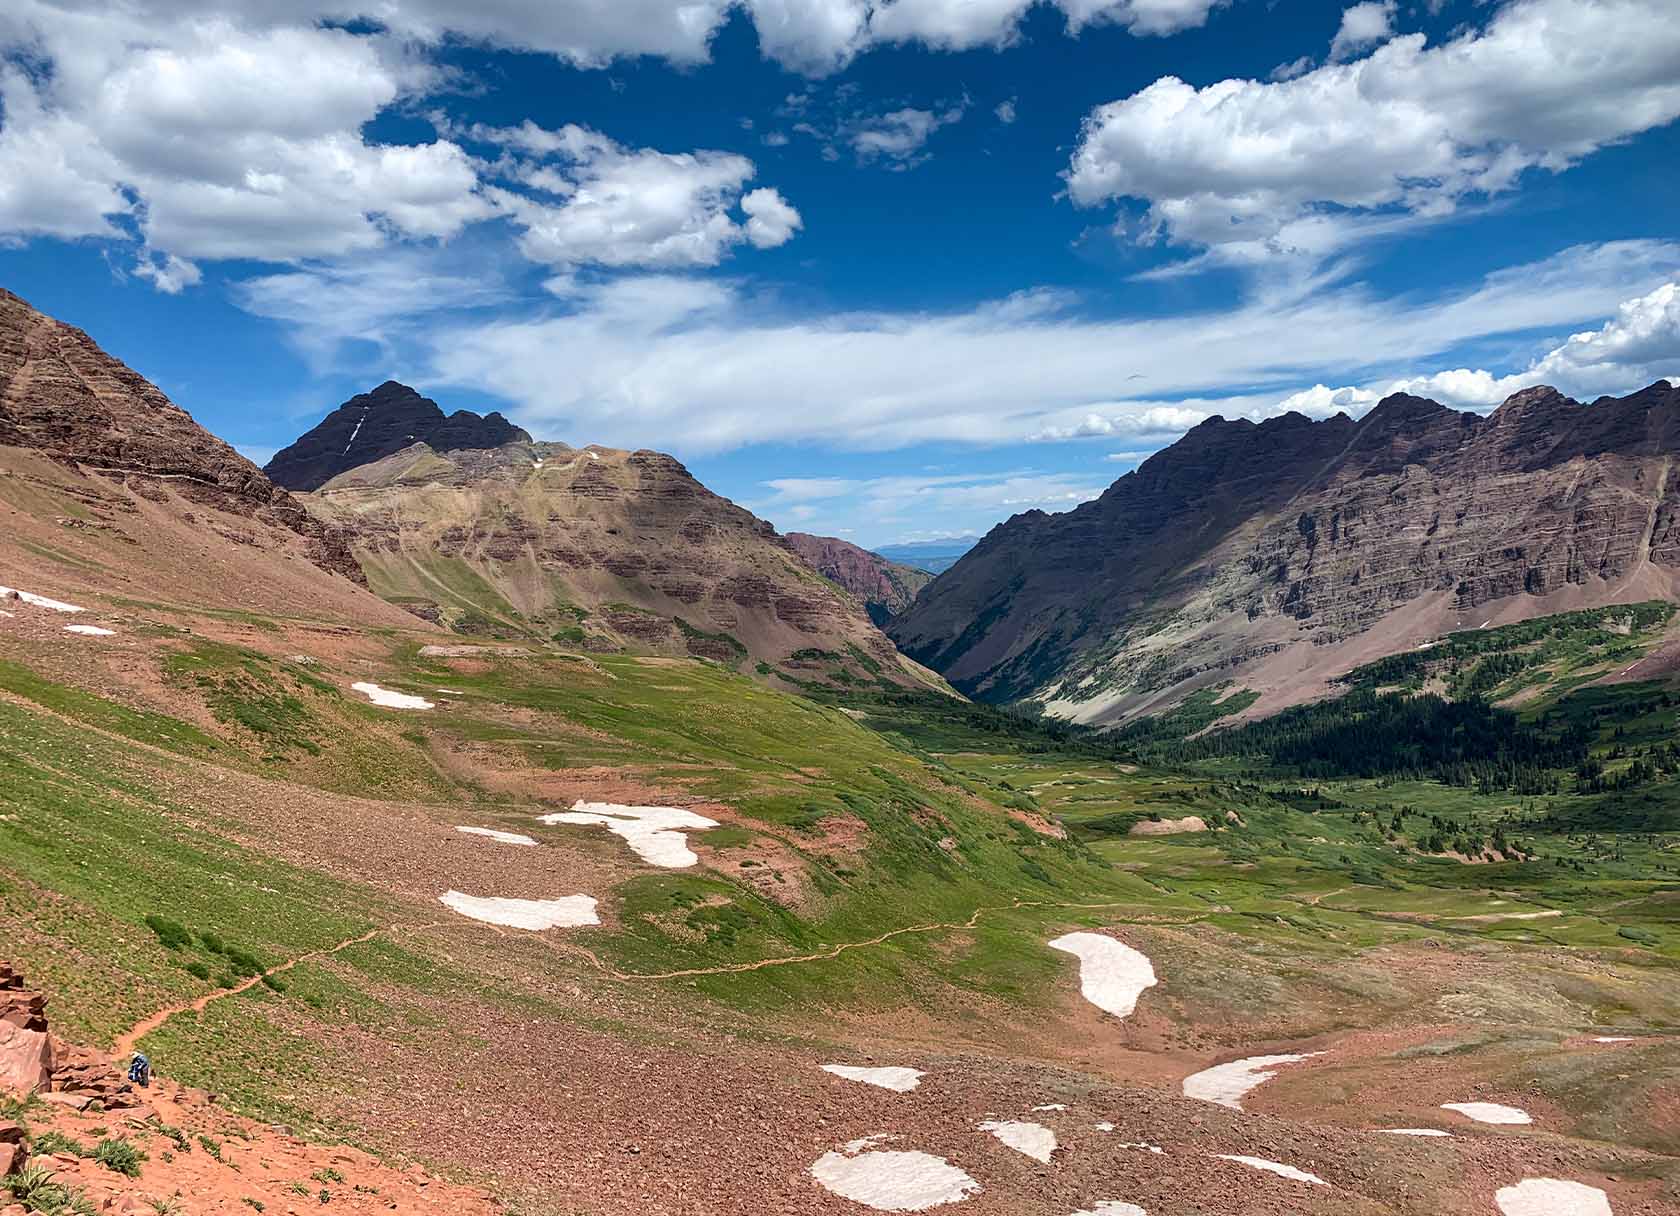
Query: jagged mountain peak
{"points": [[376, 424]]}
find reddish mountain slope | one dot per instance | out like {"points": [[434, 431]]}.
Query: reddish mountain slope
{"points": [[886, 588]]}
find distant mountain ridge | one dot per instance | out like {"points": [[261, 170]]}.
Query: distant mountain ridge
{"points": [[1273, 555], [598, 548], [885, 588], [934, 556], [373, 425]]}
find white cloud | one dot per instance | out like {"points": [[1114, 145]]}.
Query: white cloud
{"points": [[898, 137], [770, 220], [1321, 401], [950, 503], [1251, 171], [1636, 347], [811, 36], [966, 24], [1292, 69], [1363, 26], [704, 367], [1130, 457], [589, 200], [1005, 111], [166, 272]]}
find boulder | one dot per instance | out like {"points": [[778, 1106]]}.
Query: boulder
{"points": [[13, 1157], [26, 1059]]}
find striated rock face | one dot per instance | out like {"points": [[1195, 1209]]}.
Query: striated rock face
{"points": [[884, 587], [60, 395], [603, 549], [26, 1049], [1268, 554], [371, 426]]}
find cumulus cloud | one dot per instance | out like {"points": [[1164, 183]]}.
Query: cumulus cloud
{"points": [[1363, 26], [590, 201], [966, 24], [1639, 345], [1005, 111], [1251, 171], [1129, 457]]}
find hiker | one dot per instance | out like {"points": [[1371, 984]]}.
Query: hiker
{"points": [[140, 1071]]}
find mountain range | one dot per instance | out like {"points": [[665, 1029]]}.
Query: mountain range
{"points": [[1274, 556]]}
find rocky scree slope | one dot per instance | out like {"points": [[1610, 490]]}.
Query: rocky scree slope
{"points": [[371, 426], [885, 588], [1276, 555], [106, 484], [606, 549]]}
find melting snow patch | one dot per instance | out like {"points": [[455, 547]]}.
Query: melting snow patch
{"points": [[1415, 1131], [389, 699], [1225, 1084], [1488, 1112], [1552, 1197], [534, 914], [1111, 974], [502, 837], [647, 829], [1273, 1167], [1112, 1207], [1105, 1127], [899, 1080], [892, 1181], [1033, 1139], [1612, 1038], [1144, 1145], [39, 601], [92, 631], [1050, 1106]]}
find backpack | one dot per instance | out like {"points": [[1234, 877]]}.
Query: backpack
{"points": [[140, 1072]]}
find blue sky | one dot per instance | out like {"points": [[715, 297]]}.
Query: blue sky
{"points": [[886, 269]]}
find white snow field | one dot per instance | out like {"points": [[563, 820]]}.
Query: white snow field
{"points": [[1415, 1131], [1112, 1207], [1031, 1139], [890, 1180], [1050, 1106], [1112, 975], [499, 837], [652, 831], [1273, 1167], [1489, 1112], [1225, 1084], [569, 912], [91, 631], [38, 601], [1552, 1197], [899, 1080], [389, 699]]}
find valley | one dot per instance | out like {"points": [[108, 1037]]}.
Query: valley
{"points": [[580, 919]]}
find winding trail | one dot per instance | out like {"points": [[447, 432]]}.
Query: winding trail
{"points": [[126, 1043], [834, 952]]}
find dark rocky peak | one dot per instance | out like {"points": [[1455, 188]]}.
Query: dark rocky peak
{"points": [[1402, 430], [371, 426]]}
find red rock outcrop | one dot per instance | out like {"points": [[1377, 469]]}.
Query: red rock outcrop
{"points": [[1223, 556], [885, 588], [26, 1049]]}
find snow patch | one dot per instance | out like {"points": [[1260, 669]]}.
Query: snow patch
{"points": [[1112, 975], [1415, 1131], [38, 601], [1050, 1106], [1488, 1112], [649, 830], [1112, 1207], [502, 837], [1273, 1167], [1104, 1127], [1144, 1145], [92, 631], [1552, 1197], [389, 699], [890, 1180], [899, 1080], [1033, 1139], [1225, 1084], [569, 912], [1612, 1038]]}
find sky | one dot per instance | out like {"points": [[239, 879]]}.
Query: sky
{"points": [[890, 270]]}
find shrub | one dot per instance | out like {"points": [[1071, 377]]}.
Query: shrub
{"points": [[172, 934], [48, 1143], [34, 1187], [119, 1155]]}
